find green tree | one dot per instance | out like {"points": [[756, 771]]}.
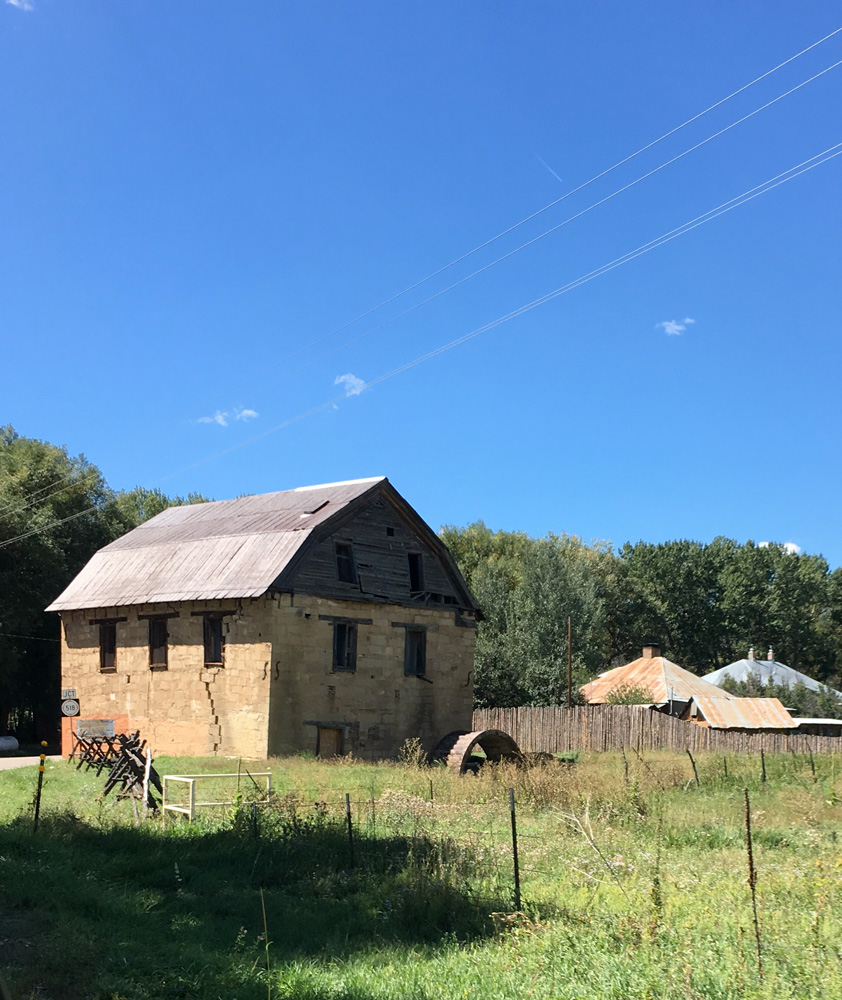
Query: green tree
{"points": [[56, 510], [527, 588]]}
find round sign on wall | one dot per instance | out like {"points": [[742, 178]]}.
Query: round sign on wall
{"points": [[70, 707]]}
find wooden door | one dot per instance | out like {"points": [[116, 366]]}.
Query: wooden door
{"points": [[330, 742]]}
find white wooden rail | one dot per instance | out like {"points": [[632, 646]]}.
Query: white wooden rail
{"points": [[190, 780]]}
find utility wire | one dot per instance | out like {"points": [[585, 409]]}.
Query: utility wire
{"points": [[9, 510], [727, 206], [535, 239], [534, 215], [40, 638], [4, 511]]}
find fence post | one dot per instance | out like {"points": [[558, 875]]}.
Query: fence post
{"points": [[350, 829], [146, 772], [812, 763], [695, 772], [514, 849], [38, 793], [762, 765], [752, 881]]}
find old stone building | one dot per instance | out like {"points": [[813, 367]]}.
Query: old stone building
{"points": [[329, 619]]}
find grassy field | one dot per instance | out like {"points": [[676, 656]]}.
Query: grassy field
{"points": [[634, 884]]}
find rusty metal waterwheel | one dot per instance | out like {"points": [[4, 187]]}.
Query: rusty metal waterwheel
{"points": [[457, 749]]}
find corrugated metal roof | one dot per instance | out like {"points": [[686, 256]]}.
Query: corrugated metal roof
{"points": [[654, 674], [765, 671], [224, 549], [741, 713]]}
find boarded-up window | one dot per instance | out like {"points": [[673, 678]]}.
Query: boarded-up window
{"points": [[158, 636], [107, 646], [213, 640], [330, 742], [416, 572], [415, 652], [344, 646], [345, 569]]}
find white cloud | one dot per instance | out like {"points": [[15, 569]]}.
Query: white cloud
{"points": [[353, 385], [21, 4], [674, 327], [789, 547], [222, 417]]}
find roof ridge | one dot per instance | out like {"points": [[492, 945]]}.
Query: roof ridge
{"points": [[341, 482]]}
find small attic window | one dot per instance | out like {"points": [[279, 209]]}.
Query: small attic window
{"points": [[390, 532], [345, 568], [416, 572]]}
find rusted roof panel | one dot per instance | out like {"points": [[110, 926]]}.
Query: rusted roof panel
{"points": [[229, 548], [742, 713], [657, 676]]}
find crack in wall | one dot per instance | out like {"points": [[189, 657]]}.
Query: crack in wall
{"points": [[214, 728]]}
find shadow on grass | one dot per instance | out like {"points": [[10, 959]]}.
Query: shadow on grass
{"points": [[148, 912]]}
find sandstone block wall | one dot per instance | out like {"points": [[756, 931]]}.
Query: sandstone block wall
{"points": [[188, 708], [377, 706], [277, 686]]}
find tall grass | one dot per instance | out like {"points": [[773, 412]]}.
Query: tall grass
{"points": [[631, 887]]}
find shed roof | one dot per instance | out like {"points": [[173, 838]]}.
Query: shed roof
{"points": [[741, 713], [767, 671], [223, 549], [655, 674]]}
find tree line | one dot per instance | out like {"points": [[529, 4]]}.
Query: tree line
{"points": [[704, 603], [55, 512]]}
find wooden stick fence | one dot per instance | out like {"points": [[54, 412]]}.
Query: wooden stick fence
{"points": [[615, 727]]}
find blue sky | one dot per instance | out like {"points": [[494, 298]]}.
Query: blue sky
{"points": [[197, 195]]}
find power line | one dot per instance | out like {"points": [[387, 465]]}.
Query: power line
{"points": [[48, 527], [40, 638], [727, 206], [535, 239], [77, 478], [540, 211], [7, 510]]}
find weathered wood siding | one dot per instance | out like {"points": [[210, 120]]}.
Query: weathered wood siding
{"points": [[381, 560], [615, 727]]}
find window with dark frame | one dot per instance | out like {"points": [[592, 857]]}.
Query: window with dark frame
{"points": [[212, 627], [416, 572], [158, 637], [415, 652], [345, 568], [108, 647], [344, 646]]}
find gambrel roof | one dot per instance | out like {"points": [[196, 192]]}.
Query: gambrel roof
{"points": [[231, 548]]}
